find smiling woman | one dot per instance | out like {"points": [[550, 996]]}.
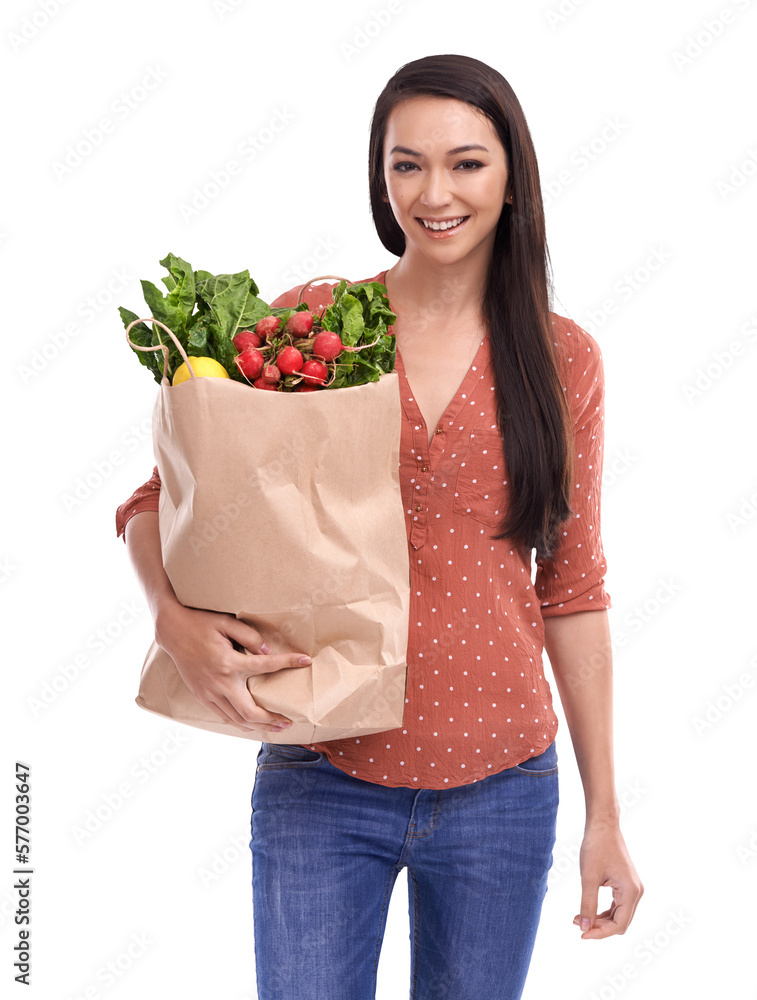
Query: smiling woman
{"points": [[442, 191], [428, 120], [500, 454]]}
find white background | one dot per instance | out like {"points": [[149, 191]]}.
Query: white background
{"points": [[665, 193]]}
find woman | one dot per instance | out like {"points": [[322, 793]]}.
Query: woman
{"points": [[465, 794]]}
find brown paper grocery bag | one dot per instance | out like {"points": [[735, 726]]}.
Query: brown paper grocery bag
{"points": [[284, 509]]}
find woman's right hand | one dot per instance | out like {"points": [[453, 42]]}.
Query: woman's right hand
{"points": [[200, 643]]}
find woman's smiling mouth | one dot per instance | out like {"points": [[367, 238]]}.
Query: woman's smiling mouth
{"points": [[437, 228]]}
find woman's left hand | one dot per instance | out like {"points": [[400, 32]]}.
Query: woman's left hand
{"points": [[604, 860]]}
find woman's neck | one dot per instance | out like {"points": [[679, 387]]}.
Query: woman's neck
{"points": [[452, 292]]}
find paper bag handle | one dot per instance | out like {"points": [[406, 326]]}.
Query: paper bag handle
{"points": [[320, 278], [160, 347]]}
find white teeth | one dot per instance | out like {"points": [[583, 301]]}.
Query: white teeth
{"points": [[443, 225]]}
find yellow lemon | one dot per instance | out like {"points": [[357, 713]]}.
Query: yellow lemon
{"points": [[200, 366]]}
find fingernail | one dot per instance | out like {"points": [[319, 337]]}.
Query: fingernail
{"points": [[283, 725], [305, 661], [265, 648], [585, 923]]}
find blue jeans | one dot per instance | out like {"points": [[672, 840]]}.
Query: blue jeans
{"points": [[327, 848]]}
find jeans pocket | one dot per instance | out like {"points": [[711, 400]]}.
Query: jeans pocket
{"points": [[541, 764], [287, 755]]}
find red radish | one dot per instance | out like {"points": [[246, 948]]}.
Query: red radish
{"points": [[267, 325], [304, 387], [289, 361], [246, 338], [314, 372], [260, 383], [270, 373], [250, 362], [327, 345], [300, 324]]}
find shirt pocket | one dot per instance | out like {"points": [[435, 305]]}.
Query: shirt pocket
{"points": [[480, 485]]}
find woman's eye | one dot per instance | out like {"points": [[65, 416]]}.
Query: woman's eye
{"points": [[405, 167]]}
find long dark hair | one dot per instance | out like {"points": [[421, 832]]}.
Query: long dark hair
{"points": [[532, 411]]}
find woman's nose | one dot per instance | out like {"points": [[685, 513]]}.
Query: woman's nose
{"points": [[436, 190]]}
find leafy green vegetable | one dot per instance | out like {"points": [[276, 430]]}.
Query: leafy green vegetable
{"points": [[142, 335], [180, 283], [198, 337], [232, 299], [361, 314], [206, 310]]}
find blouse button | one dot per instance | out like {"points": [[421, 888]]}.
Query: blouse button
{"points": [[419, 507], [423, 468], [438, 430]]}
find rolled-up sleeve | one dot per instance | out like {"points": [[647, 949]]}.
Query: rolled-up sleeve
{"points": [[574, 579], [146, 497]]}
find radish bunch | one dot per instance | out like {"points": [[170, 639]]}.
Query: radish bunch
{"points": [[298, 357], [222, 317]]}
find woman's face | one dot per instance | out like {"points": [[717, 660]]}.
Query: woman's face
{"points": [[446, 178]]}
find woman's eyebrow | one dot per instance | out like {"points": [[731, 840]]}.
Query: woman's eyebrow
{"points": [[450, 152]]}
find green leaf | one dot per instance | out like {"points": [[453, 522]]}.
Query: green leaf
{"points": [[228, 296], [181, 285], [340, 289], [225, 355], [198, 339], [353, 326], [255, 310], [163, 309], [159, 336], [330, 319], [142, 335], [361, 314]]}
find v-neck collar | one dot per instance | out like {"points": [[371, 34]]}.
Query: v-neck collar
{"points": [[409, 405], [475, 372]]}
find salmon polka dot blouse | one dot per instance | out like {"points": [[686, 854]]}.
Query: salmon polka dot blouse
{"points": [[477, 698]]}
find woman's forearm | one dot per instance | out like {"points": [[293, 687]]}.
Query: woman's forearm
{"points": [[580, 652], [209, 649], [142, 537]]}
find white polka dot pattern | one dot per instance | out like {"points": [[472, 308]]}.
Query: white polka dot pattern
{"points": [[477, 699]]}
